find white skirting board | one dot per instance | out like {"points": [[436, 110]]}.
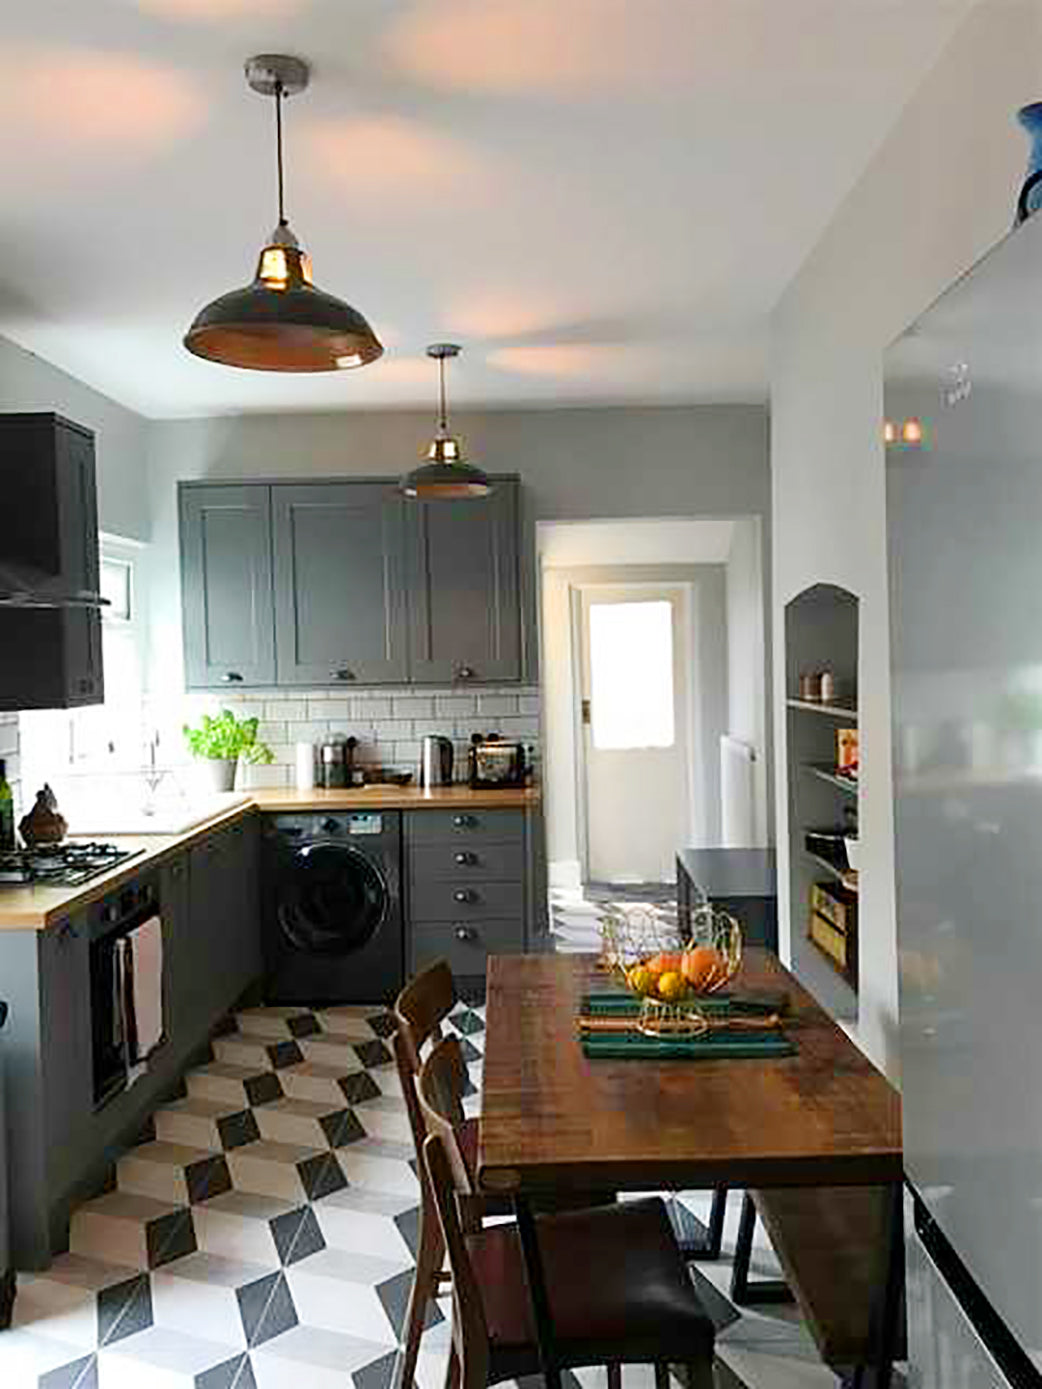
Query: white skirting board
{"points": [[737, 794]]}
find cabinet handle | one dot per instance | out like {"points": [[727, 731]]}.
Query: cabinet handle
{"points": [[464, 822], [464, 894], [343, 674], [465, 933], [231, 677], [465, 858], [464, 673]]}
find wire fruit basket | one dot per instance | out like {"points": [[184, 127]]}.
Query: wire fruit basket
{"points": [[668, 970]]}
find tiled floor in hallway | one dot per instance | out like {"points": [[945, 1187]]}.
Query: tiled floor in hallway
{"points": [[262, 1237]]}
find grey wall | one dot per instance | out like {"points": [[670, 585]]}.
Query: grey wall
{"points": [[28, 382], [574, 464]]}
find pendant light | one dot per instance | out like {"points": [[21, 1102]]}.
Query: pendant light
{"points": [[282, 322], [446, 476]]}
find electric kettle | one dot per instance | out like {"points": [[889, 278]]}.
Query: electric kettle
{"points": [[436, 761]]}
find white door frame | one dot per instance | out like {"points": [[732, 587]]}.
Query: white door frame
{"points": [[689, 714]]}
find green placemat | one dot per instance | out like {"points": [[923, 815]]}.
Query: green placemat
{"points": [[633, 1046], [619, 1003]]}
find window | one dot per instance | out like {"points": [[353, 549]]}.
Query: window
{"points": [[117, 587], [631, 675]]}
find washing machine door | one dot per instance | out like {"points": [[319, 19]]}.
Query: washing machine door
{"points": [[333, 900]]}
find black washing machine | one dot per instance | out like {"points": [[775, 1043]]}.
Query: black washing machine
{"points": [[333, 926]]}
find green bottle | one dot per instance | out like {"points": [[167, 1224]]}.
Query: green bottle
{"points": [[6, 809]]}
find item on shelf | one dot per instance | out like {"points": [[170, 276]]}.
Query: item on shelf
{"points": [[810, 687], [44, 824], [828, 844], [494, 762], [826, 687], [221, 742], [847, 752], [1030, 198], [337, 764], [832, 927]]}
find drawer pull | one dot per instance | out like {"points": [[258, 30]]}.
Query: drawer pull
{"points": [[464, 822], [464, 858], [466, 933], [465, 894], [343, 674], [231, 677], [465, 673]]}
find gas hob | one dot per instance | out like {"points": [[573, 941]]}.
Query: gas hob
{"points": [[61, 865]]}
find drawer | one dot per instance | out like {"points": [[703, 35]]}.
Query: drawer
{"points": [[469, 826], [457, 900], [465, 945], [458, 862]]}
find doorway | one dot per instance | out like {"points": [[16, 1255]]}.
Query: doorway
{"points": [[635, 711]]}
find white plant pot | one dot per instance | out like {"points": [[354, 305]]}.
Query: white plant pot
{"points": [[218, 773]]}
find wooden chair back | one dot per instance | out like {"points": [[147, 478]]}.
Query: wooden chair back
{"points": [[469, 1325], [422, 1007], [443, 1079]]}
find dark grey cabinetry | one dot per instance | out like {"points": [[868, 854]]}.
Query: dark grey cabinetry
{"points": [[229, 632], [339, 583], [223, 930], [464, 597], [468, 889], [47, 473]]}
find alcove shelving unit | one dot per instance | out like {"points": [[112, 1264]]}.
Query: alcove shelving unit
{"points": [[821, 633]]}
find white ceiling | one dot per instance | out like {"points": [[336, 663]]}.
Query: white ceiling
{"points": [[601, 199]]}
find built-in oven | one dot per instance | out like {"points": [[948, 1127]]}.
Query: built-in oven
{"points": [[113, 920]]}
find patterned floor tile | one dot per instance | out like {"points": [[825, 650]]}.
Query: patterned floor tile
{"points": [[313, 1357], [159, 1358], [340, 1291]]}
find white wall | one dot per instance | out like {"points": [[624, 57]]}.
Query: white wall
{"points": [[746, 685], [940, 190]]}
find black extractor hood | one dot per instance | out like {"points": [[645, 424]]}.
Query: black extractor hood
{"points": [[49, 542]]}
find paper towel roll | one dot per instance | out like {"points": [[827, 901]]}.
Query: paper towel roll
{"points": [[305, 767]]}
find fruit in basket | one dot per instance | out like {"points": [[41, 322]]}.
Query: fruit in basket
{"points": [[702, 967], [665, 963], [672, 986], [641, 980]]}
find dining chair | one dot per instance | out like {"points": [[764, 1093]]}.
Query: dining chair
{"points": [[617, 1284]]}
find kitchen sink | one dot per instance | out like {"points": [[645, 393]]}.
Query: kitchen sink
{"points": [[171, 817]]}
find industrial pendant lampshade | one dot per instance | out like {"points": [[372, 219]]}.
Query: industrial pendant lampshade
{"points": [[446, 476], [282, 322]]}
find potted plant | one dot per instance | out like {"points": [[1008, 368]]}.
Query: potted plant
{"points": [[221, 741]]}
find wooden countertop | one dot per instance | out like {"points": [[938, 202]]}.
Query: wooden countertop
{"points": [[34, 907]]}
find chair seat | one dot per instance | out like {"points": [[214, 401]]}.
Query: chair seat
{"points": [[616, 1281]]}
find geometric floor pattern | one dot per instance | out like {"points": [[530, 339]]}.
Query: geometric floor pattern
{"points": [[261, 1236]]}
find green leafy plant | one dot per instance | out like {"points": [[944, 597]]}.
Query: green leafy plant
{"points": [[225, 738]]}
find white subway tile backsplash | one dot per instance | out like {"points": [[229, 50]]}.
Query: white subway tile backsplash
{"points": [[253, 778], [368, 707], [273, 732], [8, 739], [392, 730], [308, 731], [497, 704], [529, 704], [288, 709], [520, 726], [455, 706], [413, 706], [407, 755], [326, 709]]}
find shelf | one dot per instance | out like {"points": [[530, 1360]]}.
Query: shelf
{"points": [[827, 774], [832, 711], [846, 876]]}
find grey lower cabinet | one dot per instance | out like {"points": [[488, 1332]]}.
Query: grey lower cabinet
{"points": [[464, 588], [468, 889], [226, 568], [60, 1148], [335, 583], [340, 611]]}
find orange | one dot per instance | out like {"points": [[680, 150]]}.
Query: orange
{"points": [[702, 966], [661, 964]]}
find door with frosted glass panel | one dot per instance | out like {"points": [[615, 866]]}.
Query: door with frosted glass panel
{"points": [[636, 712]]}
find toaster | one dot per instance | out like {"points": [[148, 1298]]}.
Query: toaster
{"points": [[495, 762]]}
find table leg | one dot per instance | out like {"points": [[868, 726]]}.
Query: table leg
{"points": [[744, 1289], [887, 1306], [710, 1247], [535, 1275]]}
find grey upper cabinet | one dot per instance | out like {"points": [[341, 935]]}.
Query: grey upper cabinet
{"points": [[465, 614], [229, 627], [47, 472], [340, 614]]}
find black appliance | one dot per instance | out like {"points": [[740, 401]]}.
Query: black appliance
{"points": [[7, 1274], [496, 762], [336, 763], [61, 865], [333, 926], [110, 920]]}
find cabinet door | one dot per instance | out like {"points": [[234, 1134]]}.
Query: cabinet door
{"points": [[464, 594], [229, 629], [224, 926], [339, 583], [65, 1044]]}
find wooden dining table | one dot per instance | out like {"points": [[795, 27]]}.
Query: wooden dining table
{"points": [[554, 1121]]}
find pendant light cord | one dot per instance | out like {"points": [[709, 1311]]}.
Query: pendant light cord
{"points": [[278, 148], [444, 423]]}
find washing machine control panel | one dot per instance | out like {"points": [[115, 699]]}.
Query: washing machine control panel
{"points": [[363, 822]]}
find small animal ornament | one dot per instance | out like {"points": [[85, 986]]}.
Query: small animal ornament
{"points": [[44, 824]]}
